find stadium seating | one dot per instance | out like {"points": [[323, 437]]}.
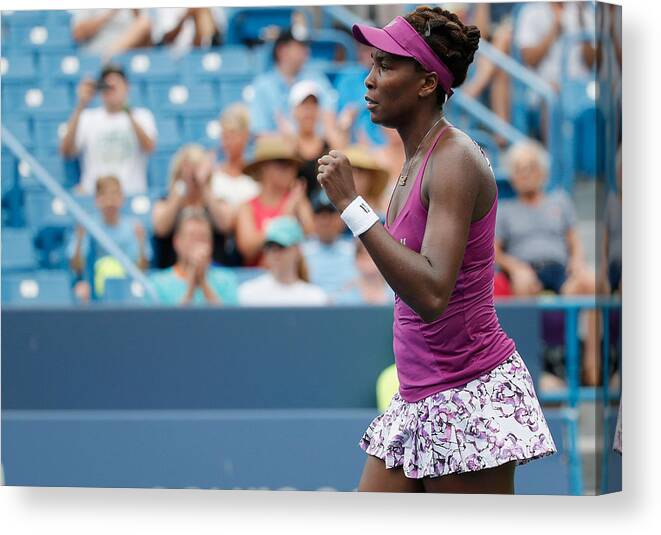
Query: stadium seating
{"points": [[247, 25], [51, 287], [17, 250], [123, 291]]}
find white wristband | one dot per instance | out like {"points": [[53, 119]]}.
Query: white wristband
{"points": [[358, 216]]}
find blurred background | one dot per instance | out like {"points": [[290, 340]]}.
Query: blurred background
{"points": [[160, 209]]}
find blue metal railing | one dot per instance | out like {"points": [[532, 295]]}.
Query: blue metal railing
{"points": [[76, 210], [574, 394]]}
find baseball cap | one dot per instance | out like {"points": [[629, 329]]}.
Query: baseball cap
{"points": [[321, 202], [302, 90], [284, 231]]}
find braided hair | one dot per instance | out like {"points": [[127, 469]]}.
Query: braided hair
{"points": [[453, 42]]}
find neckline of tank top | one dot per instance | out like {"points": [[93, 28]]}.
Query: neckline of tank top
{"points": [[415, 186], [494, 203]]}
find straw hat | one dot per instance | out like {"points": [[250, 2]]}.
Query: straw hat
{"points": [[269, 148], [361, 157]]}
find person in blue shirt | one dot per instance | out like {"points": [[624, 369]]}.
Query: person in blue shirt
{"points": [[330, 257], [269, 110], [126, 231], [192, 280]]}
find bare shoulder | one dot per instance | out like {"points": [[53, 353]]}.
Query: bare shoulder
{"points": [[456, 163]]}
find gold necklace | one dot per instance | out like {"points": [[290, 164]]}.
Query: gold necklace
{"points": [[403, 177]]}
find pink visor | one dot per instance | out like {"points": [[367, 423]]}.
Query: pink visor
{"points": [[400, 38]]}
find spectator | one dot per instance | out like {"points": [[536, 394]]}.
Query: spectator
{"points": [[190, 185], [540, 27], [368, 287], [183, 28], [106, 32], [192, 279], [270, 111], [275, 165], [495, 24], [537, 244], [286, 282], [310, 145], [331, 258], [126, 231], [113, 139], [370, 177], [231, 187]]}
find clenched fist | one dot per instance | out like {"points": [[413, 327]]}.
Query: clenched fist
{"points": [[336, 177]]}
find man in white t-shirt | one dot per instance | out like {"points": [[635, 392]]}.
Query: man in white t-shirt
{"points": [[283, 284], [112, 139], [539, 31]]}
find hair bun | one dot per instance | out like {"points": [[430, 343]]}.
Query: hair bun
{"points": [[472, 39]]}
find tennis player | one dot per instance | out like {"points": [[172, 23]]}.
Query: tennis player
{"points": [[466, 412]]}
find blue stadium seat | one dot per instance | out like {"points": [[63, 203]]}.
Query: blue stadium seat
{"points": [[139, 206], [9, 170], [61, 67], [123, 291], [18, 67], [246, 25], [228, 60], [149, 65], [17, 250], [20, 128], [42, 37], [183, 98], [158, 173], [205, 131], [169, 137], [24, 18], [37, 288], [43, 210], [49, 132], [324, 44], [233, 90], [59, 17], [46, 100], [50, 161]]}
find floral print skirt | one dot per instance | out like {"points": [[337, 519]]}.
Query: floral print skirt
{"points": [[489, 421]]}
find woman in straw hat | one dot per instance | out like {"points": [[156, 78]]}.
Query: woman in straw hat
{"points": [[370, 177], [275, 166], [190, 185]]}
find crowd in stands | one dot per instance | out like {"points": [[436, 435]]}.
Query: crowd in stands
{"points": [[259, 205]]}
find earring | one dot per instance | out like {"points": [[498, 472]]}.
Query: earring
{"points": [[428, 29]]}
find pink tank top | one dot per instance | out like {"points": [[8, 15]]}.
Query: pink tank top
{"points": [[466, 341]]}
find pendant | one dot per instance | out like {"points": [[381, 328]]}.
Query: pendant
{"points": [[402, 180]]}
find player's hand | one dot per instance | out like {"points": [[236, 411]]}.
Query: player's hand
{"points": [[86, 90], [336, 177]]}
